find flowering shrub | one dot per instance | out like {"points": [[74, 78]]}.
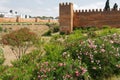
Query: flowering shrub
{"points": [[70, 70], [74, 57], [101, 55]]}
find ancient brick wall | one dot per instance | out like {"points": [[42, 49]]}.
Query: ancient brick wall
{"points": [[26, 20], [84, 18], [97, 18], [66, 17]]}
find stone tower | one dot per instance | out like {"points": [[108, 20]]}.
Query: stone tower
{"points": [[66, 17]]}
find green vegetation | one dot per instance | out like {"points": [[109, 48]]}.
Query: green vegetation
{"points": [[1, 29], [20, 41], [53, 28], [1, 57], [86, 54]]}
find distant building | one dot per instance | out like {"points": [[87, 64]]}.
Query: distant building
{"points": [[12, 15]]}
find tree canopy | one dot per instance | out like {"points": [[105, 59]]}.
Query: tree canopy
{"points": [[20, 41], [115, 7], [107, 6]]}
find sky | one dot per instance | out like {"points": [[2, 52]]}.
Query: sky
{"points": [[49, 7]]}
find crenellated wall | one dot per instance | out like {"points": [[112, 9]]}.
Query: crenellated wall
{"points": [[91, 17], [96, 17]]}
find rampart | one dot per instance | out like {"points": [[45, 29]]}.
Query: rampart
{"points": [[31, 20], [84, 18]]}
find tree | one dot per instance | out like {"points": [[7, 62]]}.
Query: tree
{"points": [[11, 11], [115, 7], [25, 16], [20, 41], [16, 12], [1, 15], [107, 6]]}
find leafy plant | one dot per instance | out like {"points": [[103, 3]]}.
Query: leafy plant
{"points": [[66, 70], [1, 29], [48, 33], [101, 55], [20, 41], [1, 57]]}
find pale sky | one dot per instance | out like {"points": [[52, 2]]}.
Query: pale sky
{"points": [[49, 7]]}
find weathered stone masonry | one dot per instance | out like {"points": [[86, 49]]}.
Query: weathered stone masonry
{"points": [[70, 19]]}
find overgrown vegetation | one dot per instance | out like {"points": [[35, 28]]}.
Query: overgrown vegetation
{"points": [[86, 54], [53, 28]]}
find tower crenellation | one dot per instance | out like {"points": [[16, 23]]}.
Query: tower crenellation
{"points": [[85, 10], [66, 14], [65, 4]]}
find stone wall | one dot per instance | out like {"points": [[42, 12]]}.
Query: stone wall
{"points": [[82, 18], [66, 17], [2, 20], [97, 18]]}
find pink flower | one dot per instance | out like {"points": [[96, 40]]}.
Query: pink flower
{"points": [[84, 70], [111, 41], [77, 73], [46, 63], [60, 64], [39, 76], [103, 50]]}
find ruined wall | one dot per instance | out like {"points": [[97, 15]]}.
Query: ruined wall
{"points": [[84, 18]]}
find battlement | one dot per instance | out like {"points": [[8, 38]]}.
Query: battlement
{"points": [[66, 4], [95, 10]]}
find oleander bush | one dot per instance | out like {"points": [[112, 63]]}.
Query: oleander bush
{"points": [[101, 55], [64, 70], [78, 56]]}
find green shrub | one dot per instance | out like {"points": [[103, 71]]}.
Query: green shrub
{"points": [[1, 57], [102, 55], [77, 57], [91, 34], [106, 27], [20, 41], [48, 33], [53, 51], [67, 70], [62, 33], [108, 31], [55, 29], [1, 29]]}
